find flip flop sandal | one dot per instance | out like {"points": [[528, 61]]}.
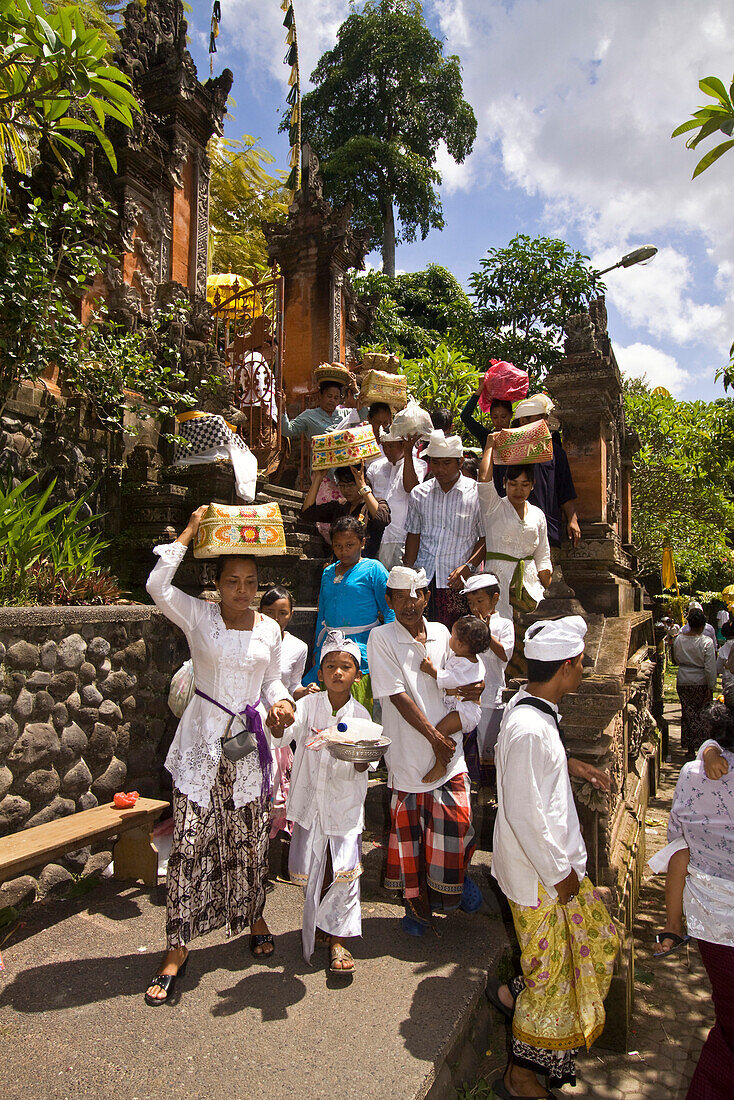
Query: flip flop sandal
{"points": [[413, 927], [413, 913], [501, 1090], [471, 896], [492, 993], [338, 953], [167, 982], [257, 939], [678, 942]]}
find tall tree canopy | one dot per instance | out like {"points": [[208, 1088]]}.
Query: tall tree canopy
{"points": [[682, 486], [384, 98], [243, 195], [414, 311], [523, 294]]}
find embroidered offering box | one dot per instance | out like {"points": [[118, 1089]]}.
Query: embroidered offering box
{"points": [[255, 529], [347, 447], [530, 443], [380, 386]]}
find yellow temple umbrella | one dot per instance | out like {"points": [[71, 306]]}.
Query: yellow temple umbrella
{"points": [[227, 285]]}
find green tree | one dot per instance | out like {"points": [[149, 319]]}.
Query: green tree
{"points": [[523, 294], [415, 311], [441, 378], [243, 195], [384, 98], [714, 118], [682, 486], [56, 83]]}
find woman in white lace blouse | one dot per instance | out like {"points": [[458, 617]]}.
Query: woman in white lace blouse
{"points": [[221, 812], [516, 536]]}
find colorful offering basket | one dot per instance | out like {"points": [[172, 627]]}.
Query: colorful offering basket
{"points": [[347, 447], [519, 446], [253, 529], [377, 385]]}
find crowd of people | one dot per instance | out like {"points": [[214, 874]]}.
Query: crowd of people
{"points": [[416, 627]]}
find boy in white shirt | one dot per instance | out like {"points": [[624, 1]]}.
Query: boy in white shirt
{"points": [[462, 667], [326, 807], [483, 593]]}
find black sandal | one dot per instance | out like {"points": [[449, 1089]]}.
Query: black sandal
{"points": [[501, 1090], [492, 993], [678, 942], [167, 982], [257, 939]]}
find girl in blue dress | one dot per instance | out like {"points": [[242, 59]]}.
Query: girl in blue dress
{"points": [[351, 598]]}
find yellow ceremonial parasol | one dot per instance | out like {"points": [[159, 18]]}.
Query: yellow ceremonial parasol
{"points": [[223, 295]]}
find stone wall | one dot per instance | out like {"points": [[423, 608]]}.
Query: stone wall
{"points": [[83, 713]]}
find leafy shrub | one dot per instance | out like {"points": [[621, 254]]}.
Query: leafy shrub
{"points": [[442, 378], [49, 554]]}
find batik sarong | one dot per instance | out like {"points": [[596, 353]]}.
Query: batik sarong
{"points": [[567, 959], [431, 840], [694, 698], [448, 604], [218, 863]]}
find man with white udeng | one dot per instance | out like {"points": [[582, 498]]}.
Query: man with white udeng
{"points": [[392, 478], [567, 938]]}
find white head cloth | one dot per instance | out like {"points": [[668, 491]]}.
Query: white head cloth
{"points": [[401, 576], [336, 642], [444, 446], [482, 580], [537, 405], [388, 437], [555, 639], [694, 605]]}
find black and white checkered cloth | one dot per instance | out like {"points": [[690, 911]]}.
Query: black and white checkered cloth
{"points": [[203, 433]]}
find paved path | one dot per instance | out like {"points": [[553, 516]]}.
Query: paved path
{"points": [[73, 1022]]}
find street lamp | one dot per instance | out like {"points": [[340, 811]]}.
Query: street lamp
{"points": [[637, 256]]}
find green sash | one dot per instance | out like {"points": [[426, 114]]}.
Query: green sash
{"points": [[518, 578]]}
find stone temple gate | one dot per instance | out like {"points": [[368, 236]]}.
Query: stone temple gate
{"points": [[82, 703]]}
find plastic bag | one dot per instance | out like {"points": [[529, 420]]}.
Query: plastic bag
{"points": [[412, 420], [503, 382], [182, 688]]}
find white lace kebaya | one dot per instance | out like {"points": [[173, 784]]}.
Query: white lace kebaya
{"points": [[235, 667]]}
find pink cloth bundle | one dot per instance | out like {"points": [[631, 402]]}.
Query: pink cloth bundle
{"points": [[503, 382]]}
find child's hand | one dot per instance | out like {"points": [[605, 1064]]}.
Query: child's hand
{"points": [[714, 763], [428, 666]]}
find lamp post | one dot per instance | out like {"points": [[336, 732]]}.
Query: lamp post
{"points": [[637, 256]]}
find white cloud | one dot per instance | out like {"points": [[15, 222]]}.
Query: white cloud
{"points": [[255, 29], [576, 103], [654, 366]]}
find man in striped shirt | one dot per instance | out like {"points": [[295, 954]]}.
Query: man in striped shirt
{"points": [[444, 522]]}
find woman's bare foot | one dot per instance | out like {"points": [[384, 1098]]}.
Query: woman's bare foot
{"points": [[523, 1082], [260, 928], [341, 958], [435, 773], [173, 960]]}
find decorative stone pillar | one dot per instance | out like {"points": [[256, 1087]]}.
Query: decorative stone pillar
{"points": [[314, 250], [587, 388]]}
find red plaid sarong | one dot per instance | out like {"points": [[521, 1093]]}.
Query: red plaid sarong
{"points": [[431, 835]]}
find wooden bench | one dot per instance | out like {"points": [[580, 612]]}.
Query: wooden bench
{"points": [[134, 855]]}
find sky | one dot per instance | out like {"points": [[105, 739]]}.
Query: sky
{"points": [[575, 103]]}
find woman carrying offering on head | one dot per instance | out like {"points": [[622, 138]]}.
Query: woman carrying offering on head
{"points": [[351, 598], [695, 655], [359, 501], [221, 807], [516, 536]]}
